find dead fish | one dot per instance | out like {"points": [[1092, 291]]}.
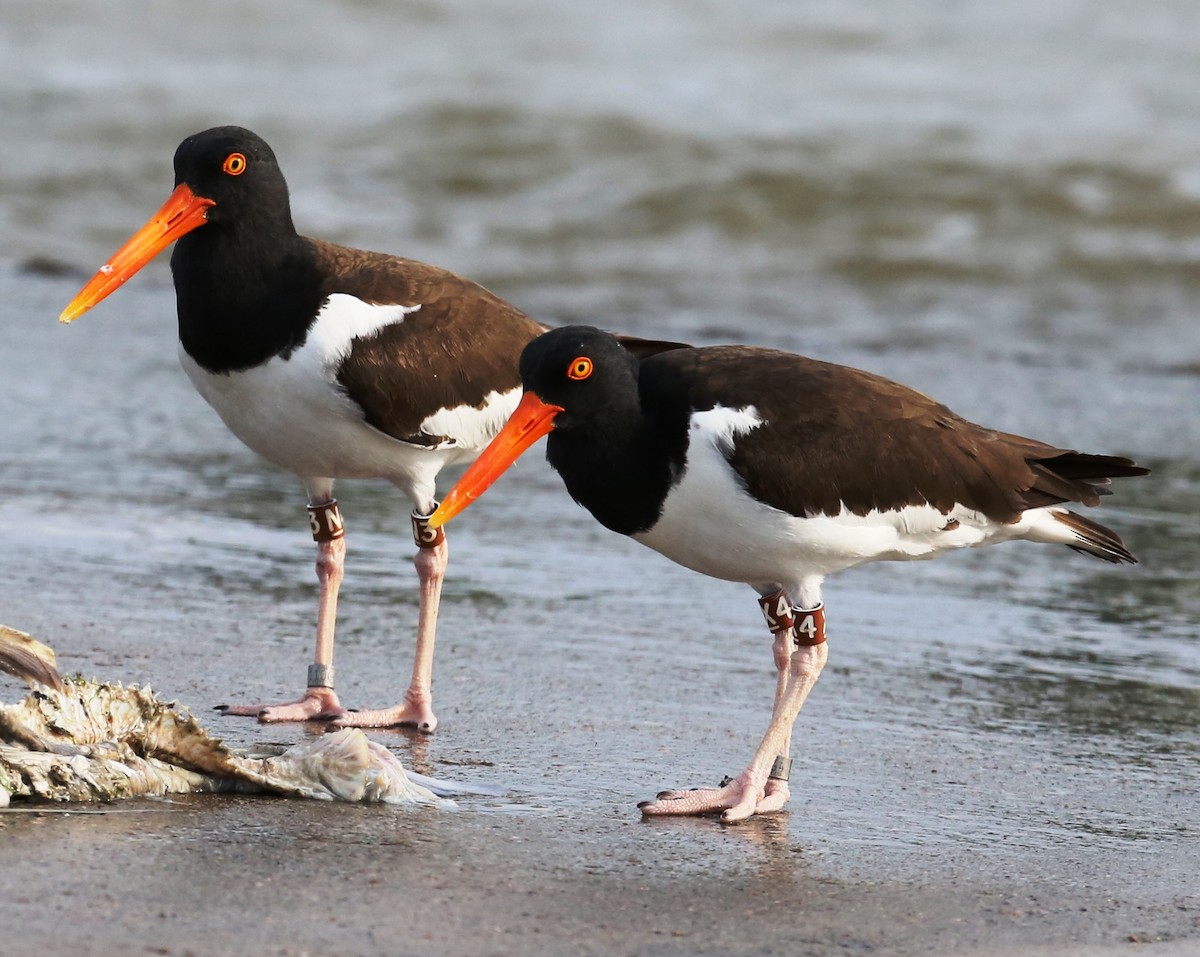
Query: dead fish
{"points": [[73, 739]]}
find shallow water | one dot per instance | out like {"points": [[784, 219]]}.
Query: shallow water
{"points": [[1001, 210]]}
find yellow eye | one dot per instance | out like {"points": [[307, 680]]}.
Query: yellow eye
{"points": [[580, 368], [235, 164]]}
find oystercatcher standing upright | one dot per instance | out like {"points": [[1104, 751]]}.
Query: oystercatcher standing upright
{"points": [[772, 469], [331, 363]]}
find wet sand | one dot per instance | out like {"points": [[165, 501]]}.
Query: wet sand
{"points": [[945, 800], [992, 763], [900, 840], [562, 863], [210, 877]]}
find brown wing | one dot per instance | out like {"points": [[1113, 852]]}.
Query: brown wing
{"points": [[461, 344], [834, 435]]}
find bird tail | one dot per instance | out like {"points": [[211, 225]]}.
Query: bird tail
{"points": [[1066, 476], [1092, 538], [1077, 477]]}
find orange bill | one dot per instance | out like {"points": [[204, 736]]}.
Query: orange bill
{"points": [[180, 214], [532, 419]]}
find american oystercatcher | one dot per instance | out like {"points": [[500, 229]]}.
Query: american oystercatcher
{"points": [[776, 470], [331, 363]]}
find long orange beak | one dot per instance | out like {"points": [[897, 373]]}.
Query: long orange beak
{"points": [[532, 419], [180, 214]]}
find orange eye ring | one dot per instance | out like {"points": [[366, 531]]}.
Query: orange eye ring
{"points": [[580, 368], [235, 164]]}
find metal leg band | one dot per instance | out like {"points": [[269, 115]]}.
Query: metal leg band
{"points": [[423, 535], [326, 521], [781, 770], [320, 676]]}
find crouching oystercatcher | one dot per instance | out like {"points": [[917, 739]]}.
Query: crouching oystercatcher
{"points": [[776, 470]]}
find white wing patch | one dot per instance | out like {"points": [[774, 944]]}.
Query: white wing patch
{"points": [[469, 427], [345, 318], [720, 426]]}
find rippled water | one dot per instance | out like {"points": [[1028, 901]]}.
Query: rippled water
{"points": [[1000, 206]]}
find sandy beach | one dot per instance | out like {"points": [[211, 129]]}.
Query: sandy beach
{"points": [[207, 877]]}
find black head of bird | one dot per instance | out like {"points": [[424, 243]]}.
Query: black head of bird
{"points": [[227, 179]]}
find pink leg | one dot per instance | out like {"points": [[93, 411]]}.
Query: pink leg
{"points": [[777, 793], [754, 791], [745, 794], [416, 708], [319, 701]]}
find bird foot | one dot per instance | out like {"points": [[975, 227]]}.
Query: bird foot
{"points": [[415, 711], [775, 796], [735, 800], [318, 704]]}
